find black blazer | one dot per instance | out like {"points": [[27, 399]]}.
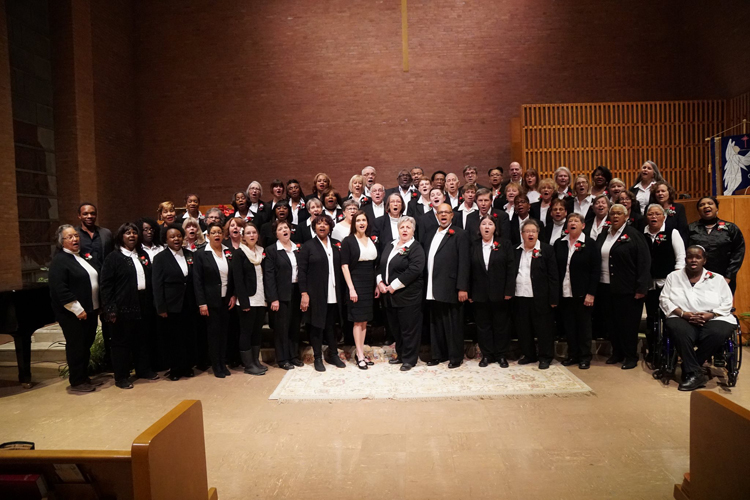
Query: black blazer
{"points": [[207, 279], [498, 280], [382, 229], [304, 233], [472, 223], [629, 262], [677, 221], [409, 270], [312, 264], [68, 282], [302, 213], [585, 266], [277, 275], [546, 234], [452, 266], [245, 279], [107, 243], [545, 281], [536, 212], [636, 220], [173, 291], [416, 209], [119, 285], [367, 209], [425, 225]]}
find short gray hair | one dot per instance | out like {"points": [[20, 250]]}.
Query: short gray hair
{"points": [[348, 203], [314, 201], [664, 212], [59, 234], [247, 191], [531, 222], [369, 166], [212, 210], [619, 207], [410, 220]]}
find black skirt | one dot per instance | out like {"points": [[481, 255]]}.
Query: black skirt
{"points": [[363, 279]]}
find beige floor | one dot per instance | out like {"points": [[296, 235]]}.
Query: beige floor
{"points": [[630, 440]]}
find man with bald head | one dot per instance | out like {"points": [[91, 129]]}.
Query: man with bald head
{"points": [[516, 175], [376, 209], [369, 174], [447, 278]]}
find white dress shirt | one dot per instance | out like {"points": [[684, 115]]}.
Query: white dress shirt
{"points": [[611, 239], [582, 207], [466, 211], [533, 196], [341, 231], [378, 210], [643, 195], [394, 227], [140, 274], [439, 235], [558, 229], [486, 252], [292, 254], [543, 213], [510, 209], [405, 196], [523, 280], [678, 247], [223, 265], [152, 250], [597, 227], [566, 287], [395, 284], [710, 294], [179, 256], [425, 205], [75, 307], [453, 200], [520, 225], [331, 272]]}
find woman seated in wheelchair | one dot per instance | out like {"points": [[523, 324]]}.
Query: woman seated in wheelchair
{"points": [[698, 306]]}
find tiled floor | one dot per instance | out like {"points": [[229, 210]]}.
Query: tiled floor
{"points": [[630, 440]]}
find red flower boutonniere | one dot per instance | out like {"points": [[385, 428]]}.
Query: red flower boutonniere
{"points": [[709, 276], [451, 232], [578, 246], [364, 199], [566, 231], [374, 239], [536, 253], [189, 260], [227, 210], [721, 226], [414, 194], [404, 251], [660, 238], [607, 223], [460, 199], [495, 246], [260, 206], [340, 217], [338, 245], [143, 260], [263, 254], [296, 248], [624, 238], [631, 220], [671, 211], [87, 256], [228, 254], [301, 203]]}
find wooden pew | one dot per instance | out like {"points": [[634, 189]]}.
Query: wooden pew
{"points": [[719, 436], [167, 461]]}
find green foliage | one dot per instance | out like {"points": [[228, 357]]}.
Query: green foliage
{"points": [[96, 362]]}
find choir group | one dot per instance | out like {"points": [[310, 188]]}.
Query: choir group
{"points": [[524, 257]]}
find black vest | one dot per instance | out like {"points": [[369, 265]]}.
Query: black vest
{"points": [[662, 255]]}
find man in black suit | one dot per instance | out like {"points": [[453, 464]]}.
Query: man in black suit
{"points": [[447, 277], [484, 207], [404, 187], [416, 175], [376, 209]]}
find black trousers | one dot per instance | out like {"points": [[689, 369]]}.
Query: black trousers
{"points": [[624, 320], [446, 331], [600, 320], [652, 317], [233, 337], [531, 319], [79, 337], [217, 326], [577, 321], [328, 332], [130, 348], [22, 341], [200, 356], [286, 324], [180, 333], [493, 328], [251, 326], [406, 325], [709, 338]]}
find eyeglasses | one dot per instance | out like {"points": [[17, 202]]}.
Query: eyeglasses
{"points": [[72, 237]]}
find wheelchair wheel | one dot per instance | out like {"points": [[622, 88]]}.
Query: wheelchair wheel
{"points": [[732, 379]]}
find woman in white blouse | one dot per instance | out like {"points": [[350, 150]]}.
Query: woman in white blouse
{"points": [[150, 236], [698, 306], [358, 256], [74, 296], [342, 229]]}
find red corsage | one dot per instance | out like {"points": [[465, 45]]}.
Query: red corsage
{"points": [[660, 238], [296, 249], [721, 226], [624, 238], [671, 211], [566, 231], [143, 260], [87, 256], [374, 239], [709, 275], [404, 251], [301, 203], [451, 232], [536, 253], [260, 206], [495, 246], [414, 194], [607, 223], [578, 246], [338, 245], [364, 199], [189, 261], [228, 254], [340, 217]]}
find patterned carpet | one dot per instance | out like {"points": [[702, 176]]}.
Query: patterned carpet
{"points": [[384, 381]]}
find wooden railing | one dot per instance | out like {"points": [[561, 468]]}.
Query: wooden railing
{"points": [[622, 135]]}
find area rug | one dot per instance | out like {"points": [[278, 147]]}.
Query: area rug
{"points": [[384, 381]]}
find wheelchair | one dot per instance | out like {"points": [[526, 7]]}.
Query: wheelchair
{"points": [[665, 356]]}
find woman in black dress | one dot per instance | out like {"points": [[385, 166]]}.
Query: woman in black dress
{"points": [[358, 256], [493, 282], [126, 297]]}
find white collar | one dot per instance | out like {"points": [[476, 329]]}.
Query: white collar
{"points": [[77, 254], [129, 253], [663, 229], [561, 223], [587, 198], [406, 245], [581, 237], [440, 229], [410, 188], [280, 246], [537, 246], [421, 201], [208, 248], [186, 215], [488, 245], [378, 204], [462, 207], [178, 252], [639, 185]]}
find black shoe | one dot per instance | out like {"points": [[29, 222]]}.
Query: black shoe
{"points": [[174, 377], [218, 372], [434, 362], [503, 362], [614, 359], [484, 362], [526, 361], [454, 365], [396, 361], [369, 361], [189, 373], [719, 361], [629, 365], [543, 365], [584, 365], [569, 362], [95, 383], [124, 384], [693, 382], [149, 376], [85, 387], [226, 371], [297, 362], [361, 363], [335, 361], [406, 367], [286, 365], [319, 366]]}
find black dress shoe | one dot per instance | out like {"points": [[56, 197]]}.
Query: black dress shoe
{"points": [[124, 384], [629, 365], [336, 361], [526, 361], [614, 359], [434, 362], [174, 377], [406, 367], [226, 371], [286, 366], [484, 362], [693, 382], [319, 366], [369, 361], [396, 361], [189, 373], [297, 362], [454, 365], [543, 365], [84, 387], [150, 376], [584, 365], [219, 374], [569, 362], [503, 362]]}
